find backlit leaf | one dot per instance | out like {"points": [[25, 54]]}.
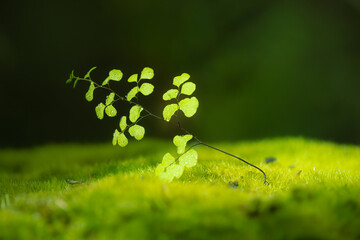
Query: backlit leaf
{"points": [[147, 73], [165, 176], [146, 88], [132, 93], [71, 77], [169, 111], [114, 75], [137, 131], [87, 75], [188, 88], [110, 98], [189, 159], [135, 113], [133, 78], [175, 170], [181, 141], [168, 159], [170, 94], [178, 80], [189, 106], [122, 140], [110, 111], [90, 93], [123, 123], [115, 137], [99, 109], [159, 169]]}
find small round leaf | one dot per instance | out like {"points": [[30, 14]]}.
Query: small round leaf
{"points": [[175, 170], [90, 93], [137, 131], [122, 140], [133, 78], [178, 80], [188, 159], [110, 111], [135, 113], [110, 98], [132, 93], [169, 111], [189, 106], [123, 123], [181, 141], [146, 88], [188, 88], [115, 137], [147, 73], [170, 94], [168, 159], [99, 109]]}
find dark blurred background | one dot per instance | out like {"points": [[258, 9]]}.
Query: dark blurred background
{"points": [[262, 68]]}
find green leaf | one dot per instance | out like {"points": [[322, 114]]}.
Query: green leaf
{"points": [[110, 111], [188, 88], [181, 141], [137, 131], [76, 81], [189, 106], [110, 98], [178, 80], [123, 123], [90, 93], [147, 73], [133, 78], [167, 159], [114, 75], [170, 94], [132, 93], [160, 169], [115, 137], [87, 75], [175, 170], [99, 109], [122, 140], [169, 111], [71, 77], [135, 113], [146, 89], [188, 159]]}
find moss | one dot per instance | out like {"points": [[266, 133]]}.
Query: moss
{"points": [[312, 193]]}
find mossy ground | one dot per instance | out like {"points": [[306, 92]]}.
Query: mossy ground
{"points": [[313, 193]]}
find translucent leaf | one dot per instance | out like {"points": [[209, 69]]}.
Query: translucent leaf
{"points": [[188, 88], [90, 93], [169, 111], [110, 111], [135, 113], [99, 109], [132, 93], [178, 80], [168, 159], [110, 98], [137, 131], [165, 176], [114, 75], [87, 75], [122, 140], [71, 77], [170, 94], [123, 123], [181, 141], [175, 170], [115, 137], [159, 169], [146, 88], [133, 78], [189, 106], [147, 73], [189, 159]]}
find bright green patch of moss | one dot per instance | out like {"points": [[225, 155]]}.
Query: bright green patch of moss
{"points": [[313, 192]]}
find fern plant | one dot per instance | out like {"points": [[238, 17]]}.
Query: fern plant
{"points": [[178, 99]]}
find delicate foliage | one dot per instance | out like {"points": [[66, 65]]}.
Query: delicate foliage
{"points": [[71, 77], [132, 93], [87, 75], [189, 106], [114, 75], [181, 141], [147, 73], [137, 131], [188, 159], [146, 89], [99, 109], [89, 96], [178, 80], [135, 113], [171, 94], [110, 98], [188, 88], [123, 123], [110, 111], [115, 137], [133, 78], [169, 111], [122, 140]]}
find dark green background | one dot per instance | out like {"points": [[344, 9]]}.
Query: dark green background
{"points": [[263, 68]]}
